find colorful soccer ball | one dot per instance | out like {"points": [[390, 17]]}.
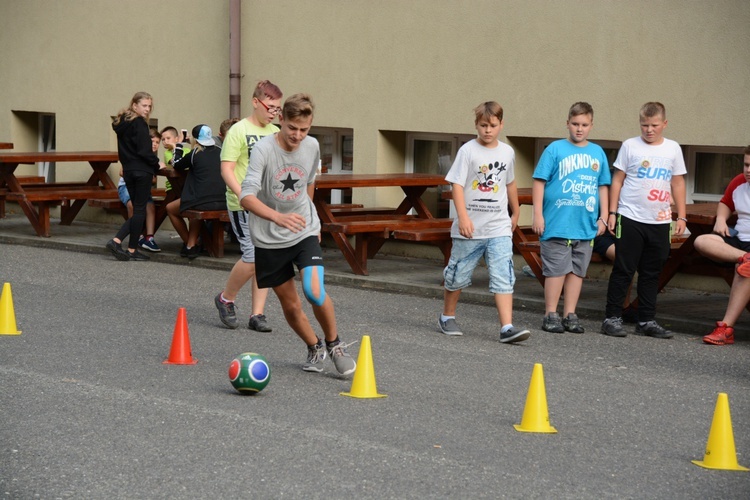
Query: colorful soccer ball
{"points": [[249, 372]]}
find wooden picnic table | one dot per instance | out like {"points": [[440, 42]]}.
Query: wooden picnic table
{"points": [[701, 218], [177, 181], [72, 196], [371, 227]]}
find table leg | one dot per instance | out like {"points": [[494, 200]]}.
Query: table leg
{"points": [[161, 210], [68, 211], [213, 240], [414, 200], [356, 261], [531, 258]]}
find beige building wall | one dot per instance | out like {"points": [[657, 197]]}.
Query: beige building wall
{"points": [[83, 60], [382, 68]]}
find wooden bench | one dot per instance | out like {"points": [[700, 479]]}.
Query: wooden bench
{"points": [[534, 247], [340, 212], [371, 232], [213, 240], [440, 236], [344, 206], [49, 197], [24, 180], [30, 179], [117, 206]]}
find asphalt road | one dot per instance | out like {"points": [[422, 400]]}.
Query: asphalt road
{"points": [[88, 410]]}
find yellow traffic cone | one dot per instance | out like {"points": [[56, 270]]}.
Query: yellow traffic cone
{"points": [[720, 451], [7, 314], [363, 384], [535, 414]]}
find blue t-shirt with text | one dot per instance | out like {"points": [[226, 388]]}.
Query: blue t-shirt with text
{"points": [[572, 175]]}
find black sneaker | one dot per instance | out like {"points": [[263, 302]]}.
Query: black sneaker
{"points": [[571, 323], [514, 334], [613, 327], [117, 250], [552, 323], [193, 252], [136, 255], [258, 323], [227, 314], [184, 251], [653, 329]]}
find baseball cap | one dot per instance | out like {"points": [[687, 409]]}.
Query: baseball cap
{"points": [[203, 135]]}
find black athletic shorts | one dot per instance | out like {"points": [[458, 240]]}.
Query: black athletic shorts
{"points": [[275, 266]]}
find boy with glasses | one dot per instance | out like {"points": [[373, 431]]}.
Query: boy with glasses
{"points": [[235, 153]]}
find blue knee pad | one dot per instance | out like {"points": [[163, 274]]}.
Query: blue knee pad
{"points": [[307, 287]]}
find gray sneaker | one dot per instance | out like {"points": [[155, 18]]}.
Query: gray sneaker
{"points": [[449, 327], [316, 354], [227, 313], [552, 323], [653, 329], [259, 324], [572, 324], [343, 362], [613, 327], [514, 334]]}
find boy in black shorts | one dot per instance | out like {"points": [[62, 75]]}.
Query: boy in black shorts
{"points": [[731, 246], [277, 191]]}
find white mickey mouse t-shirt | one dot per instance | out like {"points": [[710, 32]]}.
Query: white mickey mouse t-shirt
{"points": [[484, 174]]}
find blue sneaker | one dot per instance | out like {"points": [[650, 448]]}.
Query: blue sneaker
{"points": [[149, 244]]}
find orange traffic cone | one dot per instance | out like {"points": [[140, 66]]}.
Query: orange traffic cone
{"points": [[363, 383], [535, 414], [180, 353], [720, 451], [7, 314]]}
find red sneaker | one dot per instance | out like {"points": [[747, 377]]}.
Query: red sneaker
{"points": [[722, 335], [744, 268]]}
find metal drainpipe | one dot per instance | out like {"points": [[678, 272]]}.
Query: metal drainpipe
{"points": [[235, 96]]}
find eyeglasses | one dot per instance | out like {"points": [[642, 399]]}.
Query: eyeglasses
{"points": [[273, 109]]}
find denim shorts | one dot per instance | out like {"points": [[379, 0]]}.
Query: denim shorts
{"points": [[465, 255], [122, 192]]}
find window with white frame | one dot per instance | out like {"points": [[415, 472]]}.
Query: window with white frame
{"points": [[710, 169], [336, 156], [434, 154]]}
